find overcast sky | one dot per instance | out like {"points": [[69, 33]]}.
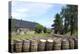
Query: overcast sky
{"points": [[42, 13]]}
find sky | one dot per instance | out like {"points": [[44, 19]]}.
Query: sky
{"points": [[42, 13]]}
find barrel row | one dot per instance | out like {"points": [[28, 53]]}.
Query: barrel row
{"points": [[43, 45]]}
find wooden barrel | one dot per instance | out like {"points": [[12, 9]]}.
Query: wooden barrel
{"points": [[71, 43], [12, 46], [75, 43], [26, 45], [41, 45], [49, 44], [65, 44], [18, 45], [34, 45], [57, 44]]}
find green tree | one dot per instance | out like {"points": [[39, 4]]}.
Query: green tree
{"points": [[49, 30], [38, 28], [45, 30], [57, 24], [70, 13]]}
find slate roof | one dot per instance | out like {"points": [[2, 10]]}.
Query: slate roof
{"points": [[23, 24]]}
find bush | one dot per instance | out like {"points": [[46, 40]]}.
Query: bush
{"points": [[38, 28], [45, 30], [49, 30]]}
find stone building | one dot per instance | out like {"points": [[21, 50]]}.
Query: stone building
{"points": [[21, 26]]}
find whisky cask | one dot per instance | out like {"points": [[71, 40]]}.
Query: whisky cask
{"points": [[71, 43], [12, 46], [65, 44], [57, 44], [26, 45], [18, 45], [49, 44], [33, 46], [41, 45], [75, 43]]}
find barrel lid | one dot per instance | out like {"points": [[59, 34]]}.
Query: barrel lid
{"points": [[50, 40], [57, 40], [42, 40], [26, 41], [33, 40], [64, 40], [18, 41]]}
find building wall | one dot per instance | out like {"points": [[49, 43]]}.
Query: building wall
{"points": [[22, 31]]}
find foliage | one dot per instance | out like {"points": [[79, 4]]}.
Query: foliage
{"points": [[57, 23], [38, 28], [45, 30], [70, 13], [49, 31]]}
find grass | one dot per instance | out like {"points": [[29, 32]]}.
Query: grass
{"points": [[30, 36]]}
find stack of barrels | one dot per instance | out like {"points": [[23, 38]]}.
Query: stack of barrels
{"points": [[43, 44]]}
